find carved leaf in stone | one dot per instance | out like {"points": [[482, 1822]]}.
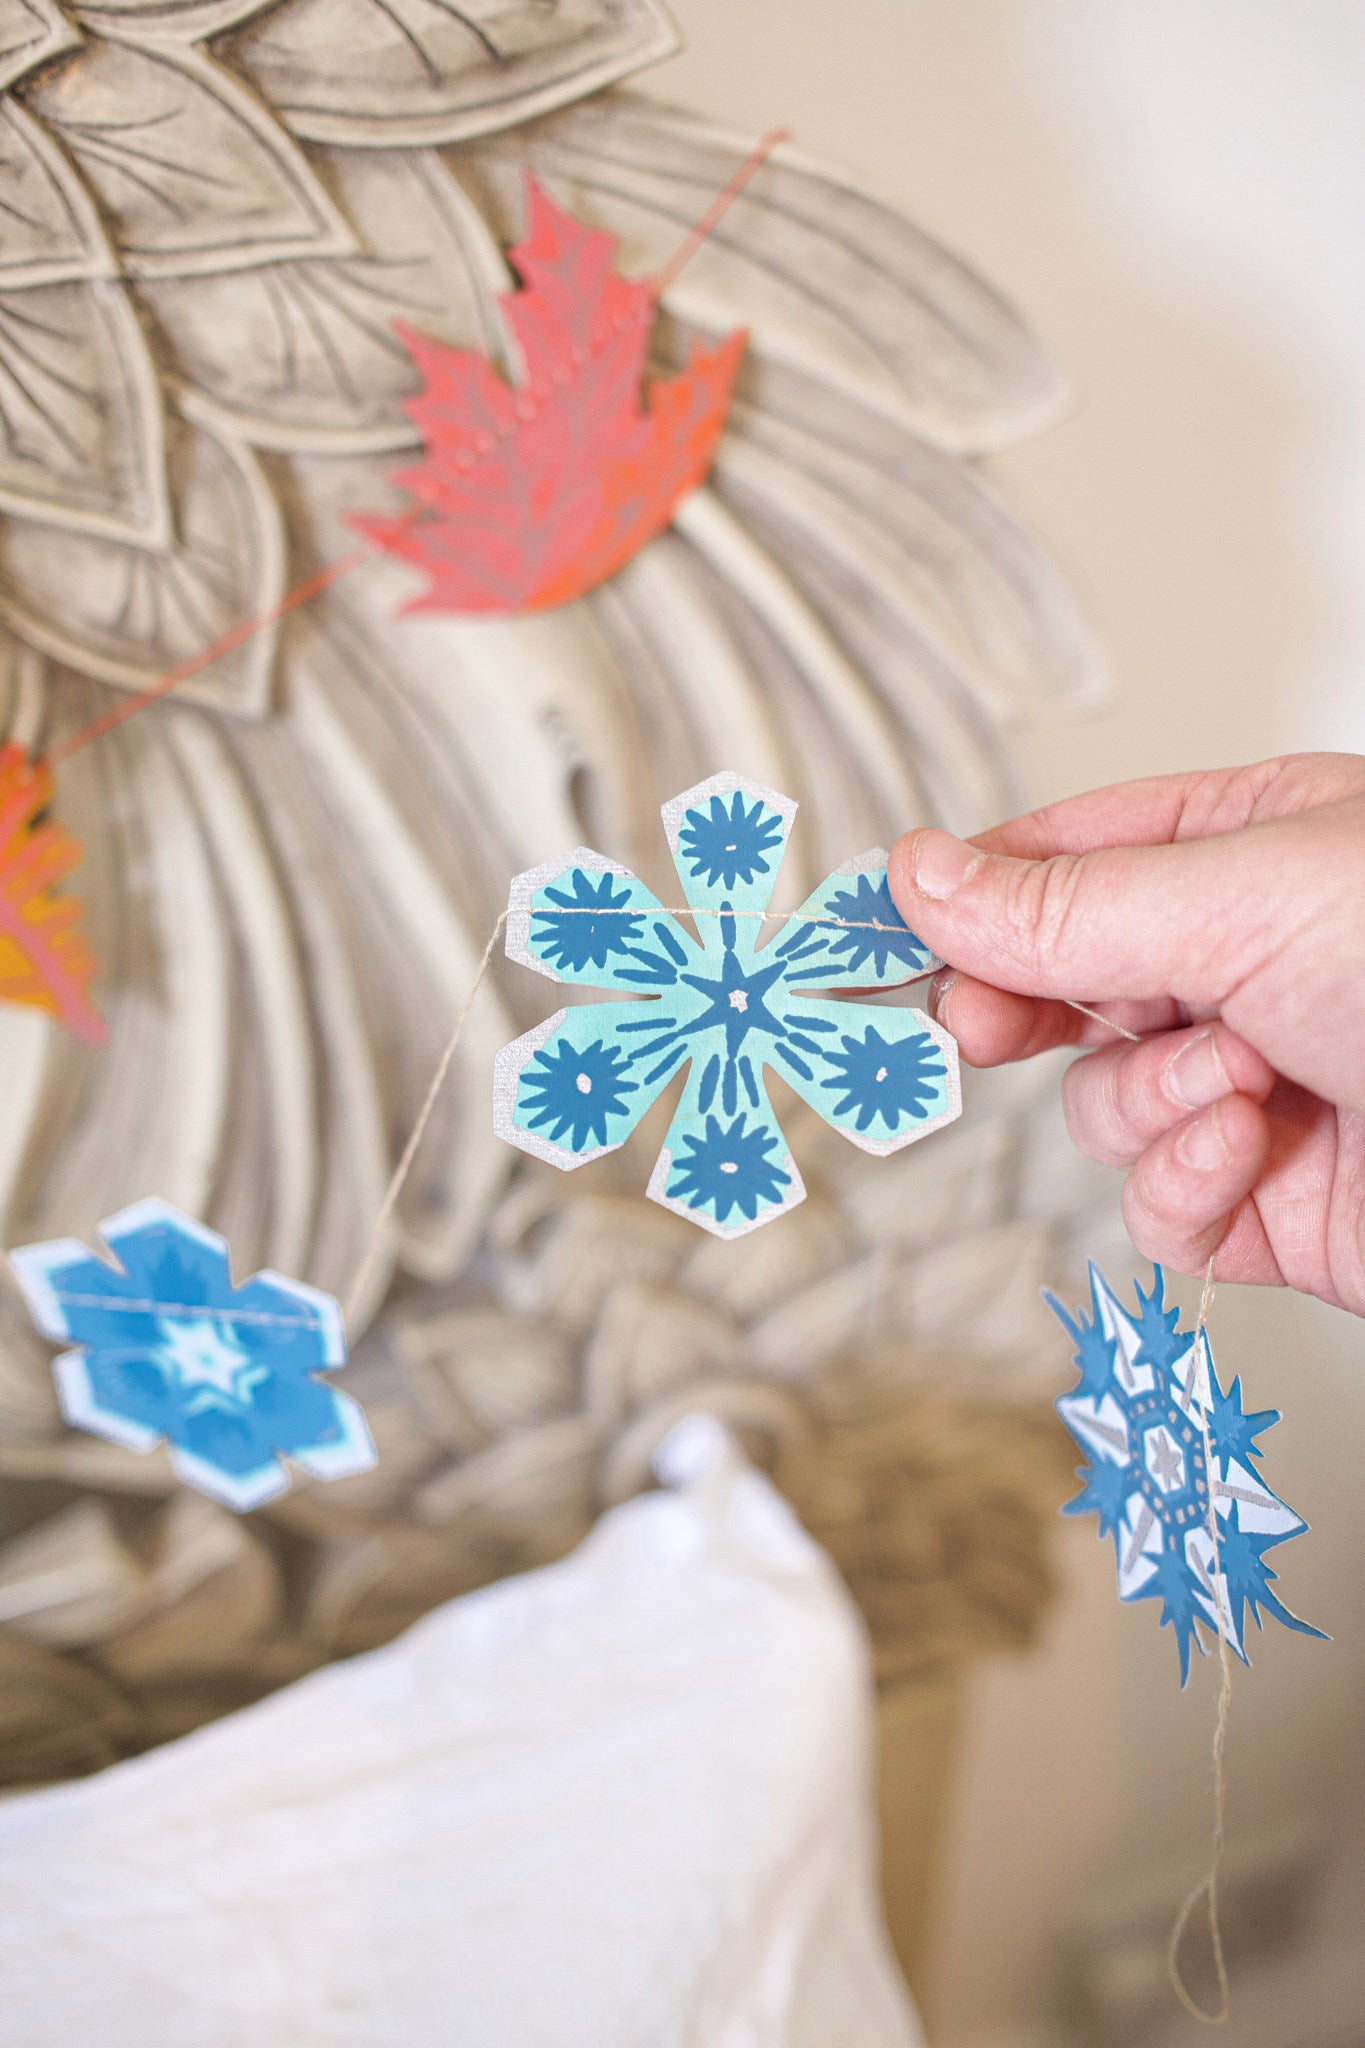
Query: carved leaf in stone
{"points": [[126, 614], [303, 355], [80, 413], [31, 32], [217, 210], [192, 171], [403, 73], [50, 229], [180, 21]]}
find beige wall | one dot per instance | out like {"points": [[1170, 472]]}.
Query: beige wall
{"points": [[1174, 195]]}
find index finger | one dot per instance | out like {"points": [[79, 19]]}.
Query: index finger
{"points": [[1155, 810]]}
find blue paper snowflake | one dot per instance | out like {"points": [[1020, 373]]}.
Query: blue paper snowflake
{"points": [[1146, 1390], [169, 1349], [725, 1005]]}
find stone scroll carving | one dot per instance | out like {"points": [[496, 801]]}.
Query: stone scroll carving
{"points": [[214, 210]]}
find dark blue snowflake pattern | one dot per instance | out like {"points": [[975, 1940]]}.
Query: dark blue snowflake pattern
{"points": [[875, 933], [1147, 1390], [723, 1005], [168, 1349], [727, 843], [728, 1167], [571, 1093], [589, 922], [884, 1079]]}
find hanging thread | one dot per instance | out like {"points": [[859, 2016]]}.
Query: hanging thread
{"points": [[1207, 1886], [404, 1166], [401, 1171], [1098, 1017]]}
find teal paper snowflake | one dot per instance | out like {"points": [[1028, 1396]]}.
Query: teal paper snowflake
{"points": [[1147, 1390], [725, 1005], [167, 1349]]}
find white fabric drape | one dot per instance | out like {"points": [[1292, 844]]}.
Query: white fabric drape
{"points": [[620, 1803]]}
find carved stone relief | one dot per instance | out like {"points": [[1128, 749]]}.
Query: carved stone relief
{"points": [[212, 212]]}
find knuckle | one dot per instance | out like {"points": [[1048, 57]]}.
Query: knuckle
{"points": [[1040, 905], [1158, 1236], [1103, 1104]]}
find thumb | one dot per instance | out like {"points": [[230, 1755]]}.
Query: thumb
{"points": [[1190, 920]]}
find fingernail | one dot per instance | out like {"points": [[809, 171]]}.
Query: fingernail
{"points": [[1195, 1075], [1202, 1145], [940, 989], [943, 864]]}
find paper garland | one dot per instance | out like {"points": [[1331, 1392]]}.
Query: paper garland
{"points": [[1147, 1390], [532, 493], [574, 1088], [45, 961], [529, 494], [169, 1350]]}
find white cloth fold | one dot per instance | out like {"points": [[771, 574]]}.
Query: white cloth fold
{"points": [[620, 1803]]}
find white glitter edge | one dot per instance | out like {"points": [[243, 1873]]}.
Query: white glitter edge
{"points": [[34, 1266], [354, 1453], [882, 1148], [80, 1406], [658, 1183], [151, 1211], [677, 807], [241, 1495]]}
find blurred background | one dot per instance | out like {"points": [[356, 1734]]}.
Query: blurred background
{"points": [[1174, 195]]}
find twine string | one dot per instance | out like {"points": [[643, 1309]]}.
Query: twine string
{"points": [[1207, 1886], [227, 1314], [1098, 1017], [719, 207], [404, 1166], [409, 1153]]}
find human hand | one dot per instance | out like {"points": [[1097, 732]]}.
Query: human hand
{"points": [[1221, 916]]}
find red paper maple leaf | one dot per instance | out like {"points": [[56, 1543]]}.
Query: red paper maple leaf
{"points": [[532, 493], [44, 958]]}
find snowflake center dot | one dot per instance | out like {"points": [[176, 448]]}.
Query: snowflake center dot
{"points": [[585, 1084], [738, 999], [728, 1166], [881, 1073]]}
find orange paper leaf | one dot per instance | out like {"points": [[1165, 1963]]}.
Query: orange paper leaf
{"points": [[44, 958], [531, 494]]}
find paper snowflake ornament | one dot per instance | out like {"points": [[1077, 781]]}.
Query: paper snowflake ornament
{"points": [[167, 1349], [1146, 1390], [726, 1005]]}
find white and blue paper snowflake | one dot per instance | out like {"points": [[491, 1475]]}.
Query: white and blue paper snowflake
{"points": [[1146, 1390], [727, 1007], [168, 1349]]}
